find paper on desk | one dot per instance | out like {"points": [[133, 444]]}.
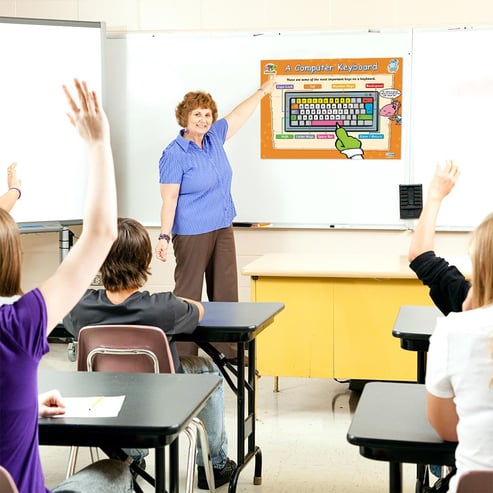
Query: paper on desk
{"points": [[98, 406]]}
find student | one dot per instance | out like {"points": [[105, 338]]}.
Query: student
{"points": [[25, 323], [448, 286], [459, 376], [123, 273], [13, 193]]}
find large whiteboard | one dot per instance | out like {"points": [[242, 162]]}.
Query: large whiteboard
{"points": [[38, 57], [452, 89], [148, 74]]}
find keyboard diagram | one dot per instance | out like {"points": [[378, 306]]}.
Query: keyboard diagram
{"points": [[319, 111]]}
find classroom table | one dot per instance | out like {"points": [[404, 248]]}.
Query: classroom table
{"points": [[240, 323], [390, 424], [413, 326], [156, 409]]}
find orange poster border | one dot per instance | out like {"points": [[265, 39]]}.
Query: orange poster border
{"points": [[270, 66]]}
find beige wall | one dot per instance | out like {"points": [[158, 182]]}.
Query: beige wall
{"points": [[152, 15], [41, 253]]}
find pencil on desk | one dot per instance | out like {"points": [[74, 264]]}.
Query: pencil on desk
{"points": [[96, 402]]}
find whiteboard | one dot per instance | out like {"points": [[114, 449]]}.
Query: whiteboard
{"points": [[38, 57], [452, 101], [148, 74]]}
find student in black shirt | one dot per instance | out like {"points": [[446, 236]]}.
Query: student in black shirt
{"points": [[449, 288]]}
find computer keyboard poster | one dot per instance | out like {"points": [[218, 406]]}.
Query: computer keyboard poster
{"points": [[333, 109]]}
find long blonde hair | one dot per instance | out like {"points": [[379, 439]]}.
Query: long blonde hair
{"points": [[482, 263], [10, 256]]}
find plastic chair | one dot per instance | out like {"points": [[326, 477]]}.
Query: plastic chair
{"points": [[7, 484], [475, 482], [137, 349]]}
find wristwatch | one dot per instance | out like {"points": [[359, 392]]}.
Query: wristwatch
{"points": [[164, 236]]}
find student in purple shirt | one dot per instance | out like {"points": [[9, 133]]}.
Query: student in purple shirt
{"points": [[197, 207], [25, 323]]}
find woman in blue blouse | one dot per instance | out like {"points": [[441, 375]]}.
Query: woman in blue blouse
{"points": [[197, 207]]}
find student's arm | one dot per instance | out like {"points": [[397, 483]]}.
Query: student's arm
{"points": [[442, 415], [442, 183], [199, 305], [69, 282], [169, 199], [244, 110], [13, 193]]}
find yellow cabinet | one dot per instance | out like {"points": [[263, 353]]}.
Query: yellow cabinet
{"points": [[364, 315], [337, 323], [300, 342]]}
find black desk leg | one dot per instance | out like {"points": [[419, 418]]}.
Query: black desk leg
{"points": [[246, 424], [160, 470], [420, 472], [244, 389], [174, 485], [252, 409], [421, 478], [395, 477], [421, 366]]}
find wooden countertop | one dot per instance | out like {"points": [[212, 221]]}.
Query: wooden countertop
{"points": [[339, 265]]}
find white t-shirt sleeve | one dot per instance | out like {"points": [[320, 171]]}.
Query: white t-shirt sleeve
{"points": [[438, 380]]}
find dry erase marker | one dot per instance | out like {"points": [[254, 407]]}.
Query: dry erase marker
{"points": [[96, 402], [261, 225]]}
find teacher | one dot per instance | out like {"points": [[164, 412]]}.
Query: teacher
{"points": [[197, 207]]}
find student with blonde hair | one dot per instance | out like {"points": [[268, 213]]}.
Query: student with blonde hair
{"points": [[460, 366]]}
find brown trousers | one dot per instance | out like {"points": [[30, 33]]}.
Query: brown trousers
{"points": [[213, 256]]}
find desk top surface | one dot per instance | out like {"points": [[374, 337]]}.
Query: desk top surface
{"points": [[157, 407], [233, 321], [337, 265], [390, 423], [415, 322]]}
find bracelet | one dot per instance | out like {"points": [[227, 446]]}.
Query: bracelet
{"points": [[263, 90], [18, 190], [164, 236]]}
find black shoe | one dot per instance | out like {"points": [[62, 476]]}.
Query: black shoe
{"points": [[221, 476], [136, 466]]}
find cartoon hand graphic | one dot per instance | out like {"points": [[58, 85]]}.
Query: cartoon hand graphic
{"points": [[345, 144]]}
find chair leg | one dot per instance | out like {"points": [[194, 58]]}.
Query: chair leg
{"points": [[206, 453], [191, 433], [72, 460], [94, 452]]}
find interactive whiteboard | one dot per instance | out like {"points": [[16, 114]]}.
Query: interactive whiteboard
{"points": [[38, 57], [452, 103], [148, 74]]}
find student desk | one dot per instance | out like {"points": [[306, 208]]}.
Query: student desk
{"points": [[157, 408], [340, 310], [390, 424], [239, 323], [414, 326]]}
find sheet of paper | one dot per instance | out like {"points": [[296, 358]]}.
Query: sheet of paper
{"points": [[98, 406]]}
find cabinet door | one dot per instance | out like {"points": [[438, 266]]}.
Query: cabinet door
{"points": [[300, 341], [364, 314]]}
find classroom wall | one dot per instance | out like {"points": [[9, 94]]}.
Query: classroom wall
{"points": [[41, 254]]}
